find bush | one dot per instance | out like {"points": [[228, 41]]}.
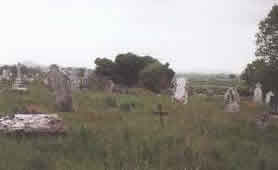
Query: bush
{"points": [[156, 77], [131, 70]]}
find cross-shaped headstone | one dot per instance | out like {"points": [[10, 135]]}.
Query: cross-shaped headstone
{"points": [[161, 114]]}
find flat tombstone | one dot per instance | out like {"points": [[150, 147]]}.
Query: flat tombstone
{"points": [[258, 94]]}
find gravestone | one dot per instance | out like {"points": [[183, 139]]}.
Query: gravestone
{"points": [[40, 124], [6, 74], [19, 83], [258, 94], [85, 80], [274, 104], [109, 86], [231, 100], [268, 97], [75, 79], [61, 85], [180, 91]]}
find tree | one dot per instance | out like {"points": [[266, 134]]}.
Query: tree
{"points": [[105, 67], [267, 37], [128, 70], [129, 65], [156, 76], [265, 68]]}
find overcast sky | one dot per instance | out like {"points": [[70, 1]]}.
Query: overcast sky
{"points": [[195, 35]]}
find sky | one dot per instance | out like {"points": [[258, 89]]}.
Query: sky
{"points": [[193, 35]]}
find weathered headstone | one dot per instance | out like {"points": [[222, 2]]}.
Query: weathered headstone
{"points": [[268, 97], [109, 86], [75, 79], [258, 94], [85, 79], [6, 74], [231, 100], [180, 91], [19, 83], [60, 83], [274, 104]]}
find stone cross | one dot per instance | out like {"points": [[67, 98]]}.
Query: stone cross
{"points": [[161, 114]]}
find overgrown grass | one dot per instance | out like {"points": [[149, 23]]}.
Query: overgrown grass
{"points": [[121, 132]]}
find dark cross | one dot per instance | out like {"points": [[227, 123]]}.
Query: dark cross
{"points": [[161, 114]]}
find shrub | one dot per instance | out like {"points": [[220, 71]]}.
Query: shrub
{"points": [[156, 77]]}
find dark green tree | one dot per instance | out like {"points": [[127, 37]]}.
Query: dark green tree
{"points": [[105, 67], [156, 76], [265, 68], [128, 70], [129, 65]]}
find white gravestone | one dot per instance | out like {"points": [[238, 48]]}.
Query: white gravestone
{"points": [[180, 92], [258, 94], [268, 97], [231, 100]]}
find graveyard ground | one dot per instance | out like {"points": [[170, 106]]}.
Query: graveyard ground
{"points": [[121, 132]]}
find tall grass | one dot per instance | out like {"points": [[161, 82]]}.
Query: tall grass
{"points": [[103, 134]]}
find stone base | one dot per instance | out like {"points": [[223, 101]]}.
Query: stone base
{"points": [[20, 88]]}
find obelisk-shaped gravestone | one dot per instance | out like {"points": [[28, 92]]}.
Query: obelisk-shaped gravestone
{"points": [[19, 83]]}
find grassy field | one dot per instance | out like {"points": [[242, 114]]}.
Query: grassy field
{"points": [[121, 132]]}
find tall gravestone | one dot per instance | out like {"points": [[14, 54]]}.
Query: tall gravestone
{"points": [[61, 85], [272, 101], [258, 94], [19, 83], [231, 100], [180, 90]]}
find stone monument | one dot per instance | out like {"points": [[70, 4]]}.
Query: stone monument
{"points": [[272, 101], [231, 100], [180, 91], [268, 97], [258, 94], [61, 85], [19, 82]]}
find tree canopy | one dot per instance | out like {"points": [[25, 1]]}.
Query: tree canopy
{"points": [[133, 70], [265, 68]]}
